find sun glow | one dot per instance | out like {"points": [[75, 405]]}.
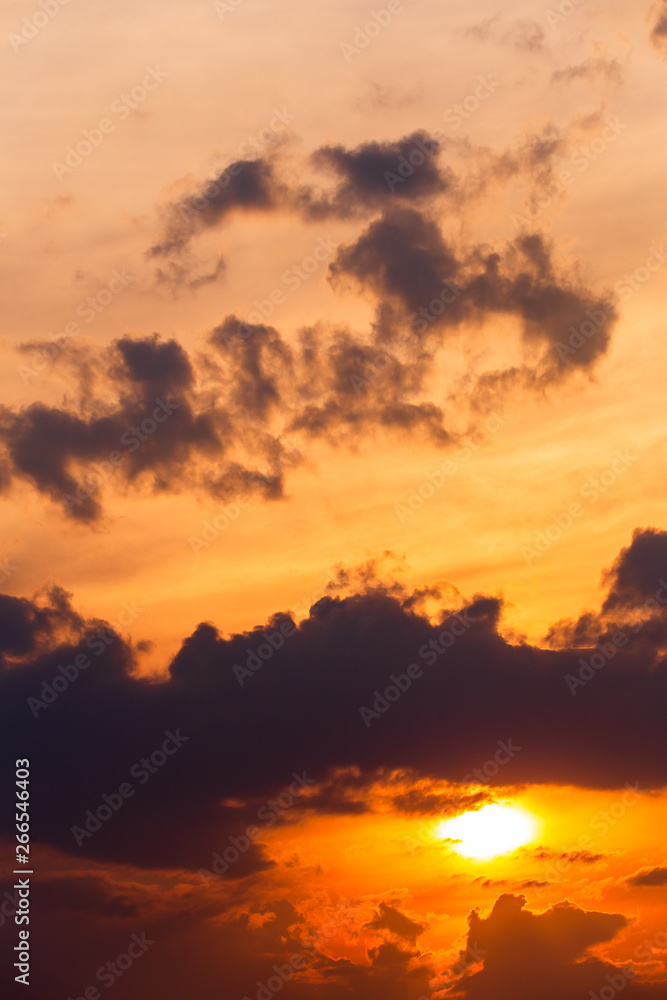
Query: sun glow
{"points": [[489, 832]]}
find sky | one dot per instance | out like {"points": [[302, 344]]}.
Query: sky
{"points": [[333, 550]]}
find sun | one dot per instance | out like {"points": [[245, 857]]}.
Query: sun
{"points": [[489, 832]]}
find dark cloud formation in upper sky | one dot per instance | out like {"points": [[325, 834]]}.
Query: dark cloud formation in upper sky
{"points": [[390, 919], [244, 185], [370, 174], [522, 35], [636, 573], [261, 708]]}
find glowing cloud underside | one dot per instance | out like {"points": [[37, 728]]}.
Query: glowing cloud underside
{"points": [[489, 832]]}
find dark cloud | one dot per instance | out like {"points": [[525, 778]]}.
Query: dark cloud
{"points": [[525, 954], [401, 257], [244, 185], [385, 97], [404, 260], [259, 357], [163, 431], [471, 682], [420, 802], [592, 69], [390, 919], [28, 626], [522, 35], [639, 571], [636, 597], [649, 877], [349, 389], [371, 175], [363, 180], [659, 30]]}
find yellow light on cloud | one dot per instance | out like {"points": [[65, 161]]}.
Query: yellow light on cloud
{"points": [[489, 832]]}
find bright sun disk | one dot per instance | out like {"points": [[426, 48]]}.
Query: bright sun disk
{"points": [[488, 832]]}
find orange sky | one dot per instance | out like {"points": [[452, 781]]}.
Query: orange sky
{"points": [[540, 475]]}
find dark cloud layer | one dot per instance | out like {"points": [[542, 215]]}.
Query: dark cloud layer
{"points": [[405, 261], [635, 601], [525, 955], [159, 431], [654, 877], [364, 179], [260, 707], [146, 416]]}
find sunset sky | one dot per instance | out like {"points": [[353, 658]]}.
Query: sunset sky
{"points": [[332, 475]]}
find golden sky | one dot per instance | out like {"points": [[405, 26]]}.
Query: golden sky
{"points": [[337, 326]]}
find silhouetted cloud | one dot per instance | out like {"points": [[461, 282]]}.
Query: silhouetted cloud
{"points": [[525, 954], [391, 919], [590, 69], [523, 35], [638, 572], [372, 173], [467, 682], [404, 260], [161, 431], [649, 877]]}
